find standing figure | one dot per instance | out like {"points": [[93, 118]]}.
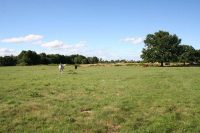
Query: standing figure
{"points": [[61, 67]]}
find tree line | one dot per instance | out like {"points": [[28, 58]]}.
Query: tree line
{"points": [[160, 46], [32, 58], [164, 47]]}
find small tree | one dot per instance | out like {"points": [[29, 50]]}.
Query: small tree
{"points": [[187, 54]]}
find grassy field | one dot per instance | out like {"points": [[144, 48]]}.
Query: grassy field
{"points": [[99, 99]]}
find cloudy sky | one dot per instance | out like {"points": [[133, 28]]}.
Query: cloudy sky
{"points": [[109, 29]]}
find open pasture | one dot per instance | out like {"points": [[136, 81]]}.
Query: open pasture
{"points": [[99, 99]]}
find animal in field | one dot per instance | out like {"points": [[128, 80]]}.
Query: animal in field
{"points": [[61, 67], [75, 66]]}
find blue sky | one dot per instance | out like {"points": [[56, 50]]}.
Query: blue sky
{"points": [[109, 29]]}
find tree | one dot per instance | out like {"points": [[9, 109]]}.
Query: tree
{"points": [[68, 60], [8, 61], [79, 59], [93, 60], [90, 60], [84, 61], [44, 59], [161, 47], [28, 58], [54, 58], [196, 55], [187, 54]]}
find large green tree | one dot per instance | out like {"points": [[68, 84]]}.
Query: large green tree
{"points": [[161, 47]]}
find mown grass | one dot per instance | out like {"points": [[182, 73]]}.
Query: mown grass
{"points": [[99, 99]]}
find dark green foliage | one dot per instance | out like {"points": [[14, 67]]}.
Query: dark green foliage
{"points": [[8, 61], [28, 58], [44, 59], [198, 56], [187, 54], [93, 60], [32, 58], [68, 60], [56, 58], [161, 47], [78, 59]]}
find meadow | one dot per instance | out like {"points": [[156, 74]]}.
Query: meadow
{"points": [[99, 99]]}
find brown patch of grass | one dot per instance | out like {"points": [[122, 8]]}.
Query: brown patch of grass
{"points": [[112, 128]]}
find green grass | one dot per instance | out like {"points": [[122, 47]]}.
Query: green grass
{"points": [[99, 99]]}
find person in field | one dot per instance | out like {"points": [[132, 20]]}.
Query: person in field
{"points": [[61, 67]]}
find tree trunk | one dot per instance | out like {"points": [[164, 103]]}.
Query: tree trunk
{"points": [[161, 63], [184, 63]]}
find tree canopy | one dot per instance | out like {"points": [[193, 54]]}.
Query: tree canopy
{"points": [[32, 58], [8, 61], [161, 47], [28, 58], [187, 54]]}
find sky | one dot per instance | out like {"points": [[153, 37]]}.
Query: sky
{"points": [[108, 29]]}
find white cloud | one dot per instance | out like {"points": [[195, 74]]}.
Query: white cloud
{"points": [[28, 38], [81, 44], [6, 51], [39, 42], [59, 47], [53, 44], [133, 40], [65, 48]]}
